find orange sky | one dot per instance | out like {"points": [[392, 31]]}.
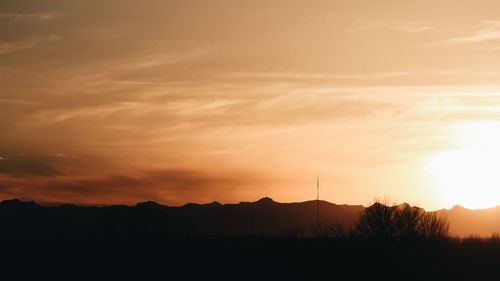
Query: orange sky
{"points": [[176, 101]]}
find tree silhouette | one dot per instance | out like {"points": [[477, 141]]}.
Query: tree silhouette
{"points": [[402, 222]]}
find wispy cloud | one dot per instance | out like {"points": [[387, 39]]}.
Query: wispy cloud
{"points": [[165, 186], [396, 25], [319, 75], [488, 31], [29, 18], [11, 47], [159, 58], [38, 164]]}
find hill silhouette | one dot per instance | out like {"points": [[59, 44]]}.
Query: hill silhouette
{"points": [[262, 217], [466, 222]]}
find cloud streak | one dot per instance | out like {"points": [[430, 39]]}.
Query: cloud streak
{"points": [[395, 25], [165, 186], [489, 31], [29, 17], [11, 47], [16, 46]]}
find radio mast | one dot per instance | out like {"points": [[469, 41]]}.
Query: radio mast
{"points": [[317, 199]]}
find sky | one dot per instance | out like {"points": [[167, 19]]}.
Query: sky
{"points": [[116, 102]]}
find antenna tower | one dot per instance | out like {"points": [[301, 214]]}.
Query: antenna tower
{"points": [[317, 199]]}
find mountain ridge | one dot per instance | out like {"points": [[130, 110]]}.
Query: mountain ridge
{"points": [[264, 216], [261, 200]]}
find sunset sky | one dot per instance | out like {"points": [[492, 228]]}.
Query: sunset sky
{"points": [[115, 102]]}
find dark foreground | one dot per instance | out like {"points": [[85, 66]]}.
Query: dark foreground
{"points": [[253, 258], [248, 241]]}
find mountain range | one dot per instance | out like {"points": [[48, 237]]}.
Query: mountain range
{"points": [[30, 221]]}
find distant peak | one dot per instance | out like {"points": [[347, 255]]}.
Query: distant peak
{"points": [[265, 200], [214, 204], [17, 202], [11, 202], [148, 204]]}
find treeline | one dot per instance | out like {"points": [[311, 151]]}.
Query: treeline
{"points": [[381, 221]]}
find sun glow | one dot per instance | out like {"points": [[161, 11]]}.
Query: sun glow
{"points": [[468, 174]]}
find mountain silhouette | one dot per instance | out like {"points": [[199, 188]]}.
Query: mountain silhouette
{"points": [[263, 217], [145, 219], [466, 222]]}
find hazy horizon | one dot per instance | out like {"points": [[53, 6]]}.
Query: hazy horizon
{"points": [[118, 102]]}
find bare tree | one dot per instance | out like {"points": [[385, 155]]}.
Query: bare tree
{"points": [[380, 221], [432, 226]]}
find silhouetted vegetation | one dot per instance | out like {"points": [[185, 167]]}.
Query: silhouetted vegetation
{"points": [[403, 222], [150, 240]]}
